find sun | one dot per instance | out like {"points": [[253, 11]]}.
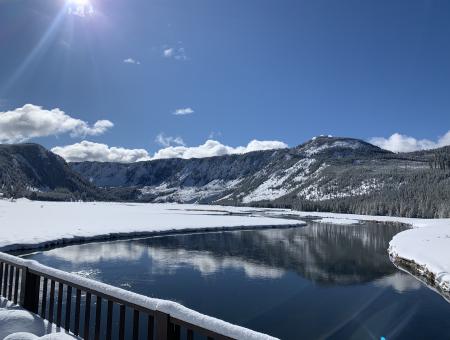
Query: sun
{"points": [[79, 2], [81, 8]]}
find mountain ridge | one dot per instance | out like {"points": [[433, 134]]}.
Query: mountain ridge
{"points": [[325, 173]]}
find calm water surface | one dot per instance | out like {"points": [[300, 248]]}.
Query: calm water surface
{"points": [[318, 281]]}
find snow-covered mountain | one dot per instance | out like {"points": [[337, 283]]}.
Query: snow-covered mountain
{"points": [[247, 178], [327, 173]]}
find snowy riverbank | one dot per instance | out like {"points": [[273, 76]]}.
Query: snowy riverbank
{"points": [[26, 224], [31, 224], [425, 252]]}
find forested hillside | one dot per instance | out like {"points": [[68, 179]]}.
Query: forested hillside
{"points": [[30, 170]]}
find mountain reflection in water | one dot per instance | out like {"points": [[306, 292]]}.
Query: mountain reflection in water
{"points": [[322, 253], [316, 281]]}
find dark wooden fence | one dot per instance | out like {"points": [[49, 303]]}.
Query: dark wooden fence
{"points": [[89, 313]]}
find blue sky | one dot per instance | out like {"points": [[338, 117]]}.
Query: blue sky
{"points": [[248, 69]]}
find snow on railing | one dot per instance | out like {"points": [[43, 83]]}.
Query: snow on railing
{"points": [[27, 283]]}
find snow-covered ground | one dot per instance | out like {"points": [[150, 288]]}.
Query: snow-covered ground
{"points": [[29, 224], [428, 252], [18, 324]]}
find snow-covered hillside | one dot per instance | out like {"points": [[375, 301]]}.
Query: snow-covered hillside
{"points": [[270, 175], [325, 174]]}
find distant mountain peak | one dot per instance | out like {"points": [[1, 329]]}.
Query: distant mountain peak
{"points": [[322, 144]]}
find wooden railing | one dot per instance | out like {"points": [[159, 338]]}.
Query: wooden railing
{"points": [[87, 312]]}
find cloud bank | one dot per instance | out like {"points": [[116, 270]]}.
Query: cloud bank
{"points": [[90, 151], [214, 148], [31, 121], [402, 143]]}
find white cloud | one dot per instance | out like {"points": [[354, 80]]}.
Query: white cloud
{"points": [[31, 121], [168, 52], [177, 53], [167, 141], [402, 143], [258, 145], [183, 112], [89, 151], [214, 148], [131, 61]]}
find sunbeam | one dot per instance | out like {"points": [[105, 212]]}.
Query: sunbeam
{"points": [[35, 51]]}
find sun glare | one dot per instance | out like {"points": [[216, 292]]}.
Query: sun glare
{"points": [[80, 7], [79, 2]]}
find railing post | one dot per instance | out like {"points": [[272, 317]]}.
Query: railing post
{"points": [[122, 310], [5, 280], [29, 291], [162, 321], [1, 277]]}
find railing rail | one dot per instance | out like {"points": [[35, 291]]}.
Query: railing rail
{"points": [[86, 311]]}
